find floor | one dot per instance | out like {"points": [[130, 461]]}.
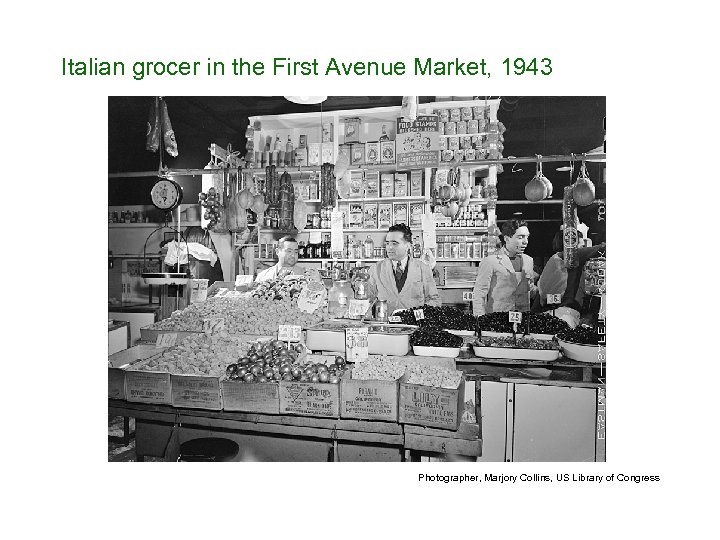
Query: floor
{"points": [[117, 451]]}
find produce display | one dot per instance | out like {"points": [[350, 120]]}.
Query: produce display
{"points": [[378, 369], [429, 338], [279, 289], [440, 377], [522, 342], [582, 335], [241, 316], [442, 317], [198, 355], [372, 328], [532, 323], [272, 361]]}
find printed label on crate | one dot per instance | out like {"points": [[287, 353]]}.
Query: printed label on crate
{"points": [[310, 399], [554, 298], [430, 406], [144, 387], [213, 325], [251, 397], [289, 332], [417, 142], [356, 344], [369, 399], [165, 340], [196, 392]]}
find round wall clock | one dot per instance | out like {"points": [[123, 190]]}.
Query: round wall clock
{"points": [[166, 194]]}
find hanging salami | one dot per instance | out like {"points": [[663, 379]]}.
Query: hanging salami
{"points": [[153, 128], [570, 232], [167, 130]]}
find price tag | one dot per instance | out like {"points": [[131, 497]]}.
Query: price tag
{"points": [[356, 344], [554, 298], [468, 296], [165, 340], [289, 332], [419, 314], [358, 308], [213, 325], [243, 280], [515, 316], [222, 291], [327, 359], [394, 319]]}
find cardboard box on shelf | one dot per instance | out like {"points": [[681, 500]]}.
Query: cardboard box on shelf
{"points": [[401, 184], [313, 154], [357, 156], [370, 216], [196, 392], [148, 387], [387, 185], [369, 399], [384, 215], [310, 399], [400, 213], [431, 406], [372, 153], [387, 152], [416, 183], [371, 184]]}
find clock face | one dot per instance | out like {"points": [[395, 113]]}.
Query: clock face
{"points": [[166, 194]]}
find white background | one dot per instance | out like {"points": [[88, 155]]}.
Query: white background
{"points": [[653, 64]]}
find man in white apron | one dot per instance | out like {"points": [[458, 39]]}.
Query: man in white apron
{"points": [[404, 282], [505, 280]]}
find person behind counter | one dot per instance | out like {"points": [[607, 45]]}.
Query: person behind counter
{"points": [[505, 280], [287, 253], [553, 279], [404, 282]]}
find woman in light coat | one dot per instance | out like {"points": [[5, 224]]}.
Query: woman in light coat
{"points": [[404, 282], [505, 280]]}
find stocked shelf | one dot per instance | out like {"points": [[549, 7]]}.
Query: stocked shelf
{"points": [[477, 229], [324, 259], [148, 225], [418, 198], [454, 259], [345, 230]]}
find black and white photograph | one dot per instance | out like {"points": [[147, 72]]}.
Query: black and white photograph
{"points": [[258, 310]]}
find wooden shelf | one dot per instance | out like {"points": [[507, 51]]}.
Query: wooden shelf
{"points": [[478, 229], [345, 230], [149, 225], [414, 198], [325, 259]]}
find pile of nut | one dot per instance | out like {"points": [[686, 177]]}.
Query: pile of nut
{"points": [[379, 368], [437, 376]]}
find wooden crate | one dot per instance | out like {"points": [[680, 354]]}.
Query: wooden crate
{"points": [[369, 399], [430, 406], [119, 362], [148, 387], [251, 397], [310, 399], [196, 392]]}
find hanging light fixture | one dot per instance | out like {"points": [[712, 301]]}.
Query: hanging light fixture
{"points": [[306, 100]]}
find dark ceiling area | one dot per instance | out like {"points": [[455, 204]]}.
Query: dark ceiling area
{"points": [[535, 125]]}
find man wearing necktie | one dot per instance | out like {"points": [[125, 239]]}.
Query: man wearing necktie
{"points": [[404, 282]]}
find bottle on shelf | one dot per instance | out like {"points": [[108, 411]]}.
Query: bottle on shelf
{"points": [[350, 246], [267, 155], [358, 251], [278, 152], [384, 135], [301, 153], [369, 247], [289, 154]]}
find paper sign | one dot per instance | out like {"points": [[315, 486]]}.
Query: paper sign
{"points": [[554, 298], [515, 316], [165, 340], [243, 280], [394, 319], [336, 234], [417, 142], [358, 308], [468, 296], [327, 359], [289, 332], [356, 344], [428, 231], [311, 296], [222, 291], [419, 314], [213, 325]]}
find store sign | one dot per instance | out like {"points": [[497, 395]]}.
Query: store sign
{"points": [[417, 143], [289, 332]]}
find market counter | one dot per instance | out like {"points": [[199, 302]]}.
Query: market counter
{"points": [[295, 438]]}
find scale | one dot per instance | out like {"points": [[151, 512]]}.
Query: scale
{"points": [[166, 195]]}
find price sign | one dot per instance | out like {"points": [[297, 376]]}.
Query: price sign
{"points": [[358, 308], [515, 316], [243, 280], [468, 296], [554, 298], [222, 291], [356, 344], [419, 314], [165, 340], [394, 319], [213, 325], [289, 332]]}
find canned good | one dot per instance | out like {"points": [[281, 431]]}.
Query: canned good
{"points": [[455, 250], [466, 113], [450, 128], [316, 222], [444, 115], [461, 128], [455, 115], [462, 250], [447, 250]]}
